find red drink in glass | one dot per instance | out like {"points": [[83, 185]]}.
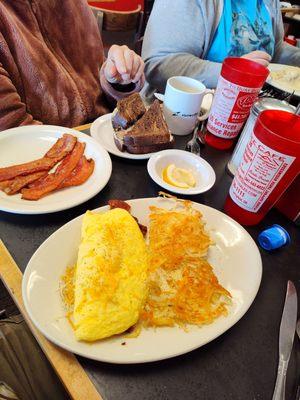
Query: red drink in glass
{"points": [[238, 86], [270, 164]]}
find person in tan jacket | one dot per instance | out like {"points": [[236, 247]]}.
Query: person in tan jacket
{"points": [[52, 65]]}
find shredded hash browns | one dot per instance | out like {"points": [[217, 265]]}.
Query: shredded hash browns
{"points": [[183, 287]]}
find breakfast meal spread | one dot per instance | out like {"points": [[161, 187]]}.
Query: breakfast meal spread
{"points": [[122, 280], [140, 131], [288, 76], [179, 177], [33, 178]]}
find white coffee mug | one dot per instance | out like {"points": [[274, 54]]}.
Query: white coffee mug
{"points": [[182, 103]]}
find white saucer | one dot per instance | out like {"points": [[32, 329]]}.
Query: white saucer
{"points": [[103, 132], [204, 174]]}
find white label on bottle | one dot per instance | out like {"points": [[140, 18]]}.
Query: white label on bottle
{"points": [[259, 172], [231, 107]]}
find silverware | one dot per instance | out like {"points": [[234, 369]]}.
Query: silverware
{"points": [[286, 338], [201, 133], [298, 333], [192, 145], [269, 91]]}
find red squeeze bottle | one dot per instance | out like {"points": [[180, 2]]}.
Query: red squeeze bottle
{"points": [[270, 164], [238, 86]]}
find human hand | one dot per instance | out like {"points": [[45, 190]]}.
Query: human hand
{"points": [[123, 65], [259, 56]]}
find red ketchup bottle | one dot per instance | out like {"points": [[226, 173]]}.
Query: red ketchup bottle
{"points": [[238, 86], [270, 163]]}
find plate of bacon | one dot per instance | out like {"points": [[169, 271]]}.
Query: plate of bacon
{"points": [[44, 169]]}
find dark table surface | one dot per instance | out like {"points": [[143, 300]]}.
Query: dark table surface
{"points": [[239, 365]]}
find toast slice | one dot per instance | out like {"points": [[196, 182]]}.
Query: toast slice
{"points": [[144, 149], [128, 111], [149, 130]]}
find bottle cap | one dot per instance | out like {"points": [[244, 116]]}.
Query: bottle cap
{"points": [[274, 238]]}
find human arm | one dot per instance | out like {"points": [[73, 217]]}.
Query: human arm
{"points": [[12, 110], [174, 44], [284, 52]]}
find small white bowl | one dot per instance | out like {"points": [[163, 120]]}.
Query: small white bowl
{"points": [[204, 174]]}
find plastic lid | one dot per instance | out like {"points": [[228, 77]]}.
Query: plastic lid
{"points": [[217, 142], [269, 103], [274, 238]]}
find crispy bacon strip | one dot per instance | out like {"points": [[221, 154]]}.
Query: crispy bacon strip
{"points": [[57, 152], [5, 184], [53, 181], [13, 186], [119, 204], [80, 173], [62, 147], [43, 164], [78, 176]]}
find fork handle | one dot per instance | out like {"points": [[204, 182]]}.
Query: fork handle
{"points": [[298, 393], [279, 391]]}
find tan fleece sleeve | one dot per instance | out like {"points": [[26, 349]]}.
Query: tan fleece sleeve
{"points": [[12, 110]]}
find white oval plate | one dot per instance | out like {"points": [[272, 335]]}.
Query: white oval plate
{"points": [[278, 84], [103, 132], [203, 172], [235, 258], [27, 143]]}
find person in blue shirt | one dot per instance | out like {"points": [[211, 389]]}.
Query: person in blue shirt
{"points": [[245, 27], [192, 38]]}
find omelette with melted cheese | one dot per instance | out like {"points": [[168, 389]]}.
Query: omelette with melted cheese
{"points": [[110, 280]]}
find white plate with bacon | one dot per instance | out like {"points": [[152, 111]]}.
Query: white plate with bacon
{"points": [[45, 168]]}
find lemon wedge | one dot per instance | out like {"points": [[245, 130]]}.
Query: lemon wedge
{"points": [[178, 177]]}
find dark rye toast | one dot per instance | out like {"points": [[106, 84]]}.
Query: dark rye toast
{"points": [[150, 129], [144, 149], [149, 134], [128, 111]]}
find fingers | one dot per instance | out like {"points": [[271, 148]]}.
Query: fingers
{"points": [[135, 66], [111, 72], [259, 56], [265, 63], [139, 72], [124, 64], [129, 61], [116, 55]]}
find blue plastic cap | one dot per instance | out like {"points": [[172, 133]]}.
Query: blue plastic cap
{"points": [[274, 238]]}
